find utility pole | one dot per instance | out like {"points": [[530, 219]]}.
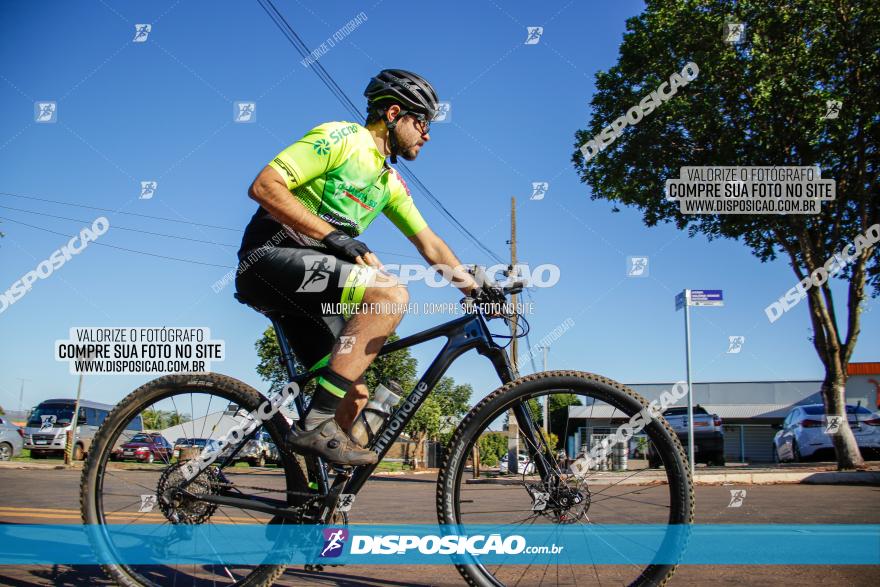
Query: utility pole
{"points": [[687, 354], [71, 436], [546, 402], [512, 426], [21, 395]]}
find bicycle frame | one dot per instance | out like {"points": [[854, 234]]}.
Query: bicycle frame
{"points": [[462, 334]]}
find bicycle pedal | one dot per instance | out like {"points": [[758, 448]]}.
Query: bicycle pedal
{"points": [[345, 470]]}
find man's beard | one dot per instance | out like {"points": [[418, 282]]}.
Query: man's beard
{"points": [[408, 152]]}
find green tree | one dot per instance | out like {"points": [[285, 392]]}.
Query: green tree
{"points": [[2, 411], [399, 366], [559, 404], [442, 408], [160, 419], [492, 445], [760, 102]]}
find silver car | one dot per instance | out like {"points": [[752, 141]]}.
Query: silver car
{"points": [[807, 431], [257, 451], [11, 439]]}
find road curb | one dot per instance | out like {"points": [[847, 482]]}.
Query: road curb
{"points": [[36, 466], [769, 478]]}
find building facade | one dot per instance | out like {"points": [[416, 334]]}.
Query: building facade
{"points": [[748, 409]]}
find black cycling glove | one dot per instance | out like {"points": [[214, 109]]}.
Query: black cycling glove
{"points": [[343, 245]]}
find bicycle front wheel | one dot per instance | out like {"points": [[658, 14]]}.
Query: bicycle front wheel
{"points": [[149, 436], [621, 489]]}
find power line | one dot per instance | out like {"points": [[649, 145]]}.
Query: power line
{"points": [[117, 227], [340, 95], [120, 248], [144, 231], [118, 211]]}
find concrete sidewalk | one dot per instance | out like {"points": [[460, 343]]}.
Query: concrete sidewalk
{"points": [[741, 475]]}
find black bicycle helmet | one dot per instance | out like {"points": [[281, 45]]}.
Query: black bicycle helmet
{"points": [[411, 91]]}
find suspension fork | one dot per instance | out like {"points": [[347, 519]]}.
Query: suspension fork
{"points": [[533, 435]]}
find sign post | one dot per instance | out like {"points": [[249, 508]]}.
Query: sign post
{"points": [[686, 299]]}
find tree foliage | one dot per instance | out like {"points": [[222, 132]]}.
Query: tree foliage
{"points": [[160, 419], [761, 102], [492, 445], [442, 409]]}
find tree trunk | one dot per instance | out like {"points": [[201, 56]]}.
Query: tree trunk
{"points": [[845, 445], [418, 461], [833, 351]]}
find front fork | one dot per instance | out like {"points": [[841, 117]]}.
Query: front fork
{"points": [[538, 448]]}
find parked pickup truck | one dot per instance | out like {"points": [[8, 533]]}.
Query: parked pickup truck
{"points": [[708, 435]]}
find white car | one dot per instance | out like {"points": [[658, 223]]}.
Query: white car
{"points": [[525, 466], [806, 433], [10, 440]]}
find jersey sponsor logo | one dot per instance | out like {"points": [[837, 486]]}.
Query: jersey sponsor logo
{"points": [[361, 203], [338, 134], [321, 146], [341, 222], [403, 183], [277, 161]]}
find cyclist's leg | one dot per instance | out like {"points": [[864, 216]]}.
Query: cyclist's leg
{"points": [[309, 284], [383, 301]]}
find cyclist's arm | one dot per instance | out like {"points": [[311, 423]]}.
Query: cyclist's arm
{"points": [[402, 211], [313, 155], [270, 191], [436, 252]]}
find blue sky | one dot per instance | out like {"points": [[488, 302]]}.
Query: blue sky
{"points": [[162, 110]]}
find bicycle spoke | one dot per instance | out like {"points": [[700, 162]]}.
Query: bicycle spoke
{"points": [[594, 503], [117, 496]]}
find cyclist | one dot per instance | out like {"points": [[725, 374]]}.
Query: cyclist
{"points": [[300, 252]]}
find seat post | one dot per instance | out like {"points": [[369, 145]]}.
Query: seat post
{"points": [[288, 359]]}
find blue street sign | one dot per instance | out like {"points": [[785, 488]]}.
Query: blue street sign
{"points": [[706, 297]]}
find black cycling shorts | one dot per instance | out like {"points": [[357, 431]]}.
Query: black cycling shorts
{"points": [[313, 290]]}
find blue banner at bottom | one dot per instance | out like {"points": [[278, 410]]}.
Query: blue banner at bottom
{"points": [[587, 544]]}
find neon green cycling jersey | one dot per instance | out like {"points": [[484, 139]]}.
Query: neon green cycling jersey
{"points": [[337, 172]]}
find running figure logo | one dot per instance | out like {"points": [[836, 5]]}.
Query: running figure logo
{"points": [[534, 35], [735, 344], [45, 111], [833, 424], [334, 540], [346, 344], [141, 32], [148, 502], [245, 112], [444, 112], [832, 109], [539, 189], [637, 267], [148, 189], [47, 422], [320, 267], [733, 32], [737, 496]]}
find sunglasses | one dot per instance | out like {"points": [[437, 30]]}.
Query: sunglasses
{"points": [[422, 120]]}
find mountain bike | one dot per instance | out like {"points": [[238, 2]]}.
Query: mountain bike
{"points": [[582, 407]]}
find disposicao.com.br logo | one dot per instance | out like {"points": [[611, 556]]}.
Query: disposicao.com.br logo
{"points": [[478, 544]]}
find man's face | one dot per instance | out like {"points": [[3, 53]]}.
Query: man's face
{"points": [[411, 136]]}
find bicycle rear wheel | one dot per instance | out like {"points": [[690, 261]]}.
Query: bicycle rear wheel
{"points": [[194, 409], [597, 500]]}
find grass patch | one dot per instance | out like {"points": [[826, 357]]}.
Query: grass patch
{"points": [[391, 466]]}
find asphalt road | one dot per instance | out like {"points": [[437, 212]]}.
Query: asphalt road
{"points": [[52, 496]]}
